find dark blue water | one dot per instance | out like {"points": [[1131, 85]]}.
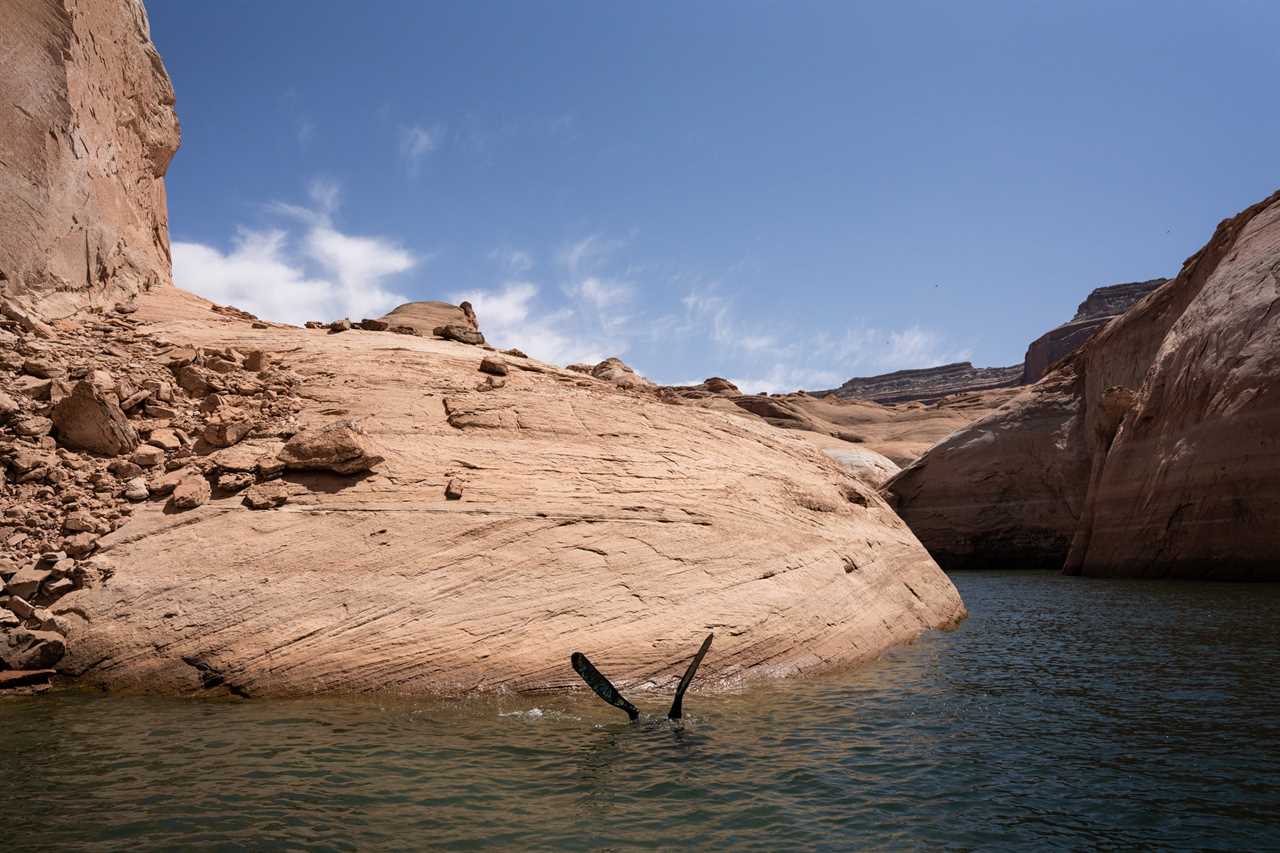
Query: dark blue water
{"points": [[1064, 713]]}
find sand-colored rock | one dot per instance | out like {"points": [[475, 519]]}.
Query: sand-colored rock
{"points": [[620, 373], [1150, 451], [341, 447], [424, 317], [594, 518], [900, 432], [88, 131], [90, 419]]}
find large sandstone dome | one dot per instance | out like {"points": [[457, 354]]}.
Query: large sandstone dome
{"points": [[587, 516]]}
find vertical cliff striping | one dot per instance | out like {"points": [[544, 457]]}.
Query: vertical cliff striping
{"points": [[87, 109]]}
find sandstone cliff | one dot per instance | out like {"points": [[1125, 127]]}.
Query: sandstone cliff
{"points": [[89, 129], [1151, 451], [1098, 309]]}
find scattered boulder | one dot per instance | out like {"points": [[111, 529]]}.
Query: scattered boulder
{"points": [[453, 490], [164, 438], [461, 334], [266, 495], [91, 420], [257, 361], [21, 648], [493, 365], [18, 605], [515, 353], [124, 469], [32, 427], [337, 326], [147, 456], [43, 368], [341, 447], [424, 317], [227, 429], [619, 373], [80, 521], [80, 545], [192, 491], [136, 490], [166, 484], [374, 325], [234, 481], [25, 583], [8, 407], [199, 382]]}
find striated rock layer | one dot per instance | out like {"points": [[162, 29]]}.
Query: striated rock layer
{"points": [[1098, 309], [1151, 451], [928, 384], [584, 516], [89, 129]]}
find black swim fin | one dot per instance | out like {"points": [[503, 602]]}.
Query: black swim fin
{"points": [[677, 711], [601, 685]]}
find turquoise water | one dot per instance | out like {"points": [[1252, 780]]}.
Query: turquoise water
{"points": [[1063, 713]]}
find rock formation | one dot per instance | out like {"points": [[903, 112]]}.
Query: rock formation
{"points": [[1097, 310], [505, 528], [901, 433], [927, 384], [1150, 451], [197, 502], [425, 317], [89, 129]]}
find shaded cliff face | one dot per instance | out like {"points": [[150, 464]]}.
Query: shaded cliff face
{"points": [[89, 130], [1097, 310], [1150, 451]]}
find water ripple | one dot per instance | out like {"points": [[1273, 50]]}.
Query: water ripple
{"points": [[1064, 713]]}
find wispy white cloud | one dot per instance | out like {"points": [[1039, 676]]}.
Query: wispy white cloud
{"points": [[511, 315], [416, 142], [515, 262], [322, 274], [781, 356], [306, 131]]}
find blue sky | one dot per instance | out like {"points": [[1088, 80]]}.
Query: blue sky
{"points": [[787, 194]]}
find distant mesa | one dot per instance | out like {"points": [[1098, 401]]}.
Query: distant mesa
{"points": [[930, 384], [1101, 307]]}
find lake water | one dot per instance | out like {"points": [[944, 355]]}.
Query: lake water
{"points": [[1063, 713]]}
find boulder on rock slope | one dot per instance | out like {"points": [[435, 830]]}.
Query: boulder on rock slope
{"points": [[424, 317]]}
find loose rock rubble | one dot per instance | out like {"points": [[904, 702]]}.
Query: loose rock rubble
{"points": [[98, 416]]}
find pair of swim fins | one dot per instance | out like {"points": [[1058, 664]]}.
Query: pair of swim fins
{"points": [[606, 691]]}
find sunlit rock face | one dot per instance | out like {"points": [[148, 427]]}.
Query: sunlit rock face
{"points": [[89, 130], [1151, 451]]}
